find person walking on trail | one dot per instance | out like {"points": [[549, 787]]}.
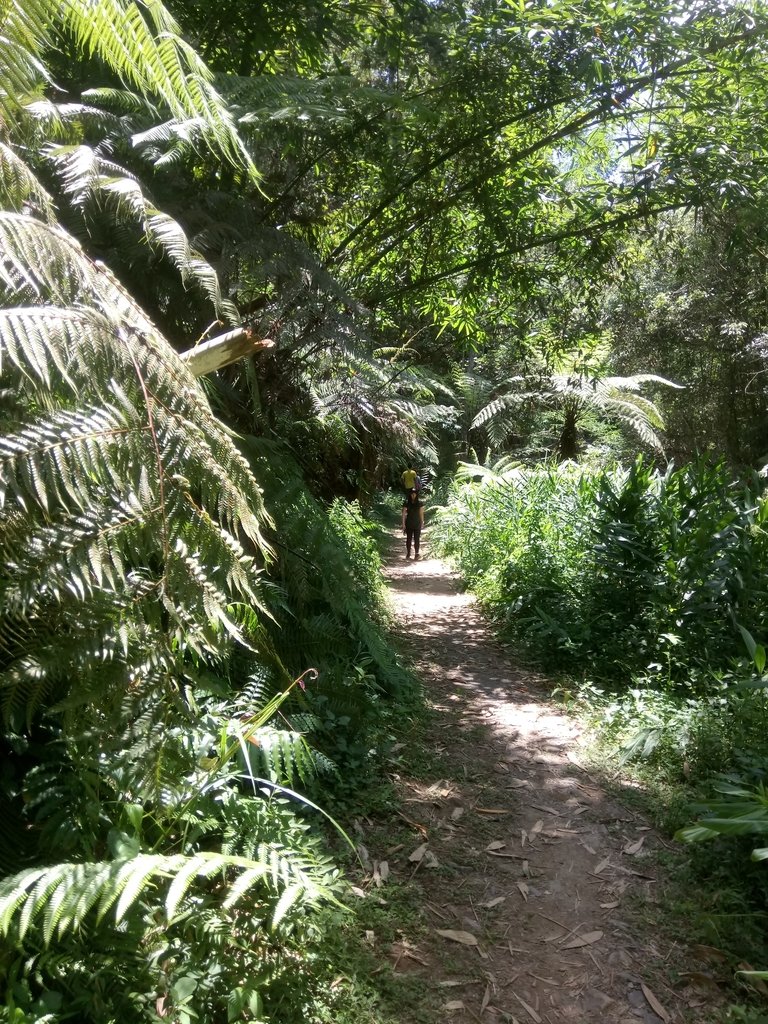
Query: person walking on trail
{"points": [[413, 522], [410, 480]]}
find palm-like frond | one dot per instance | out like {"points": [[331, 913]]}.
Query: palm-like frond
{"points": [[280, 755], [57, 120], [20, 189], [141, 42], [26, 29], [138, 41], [504, 470], [123, 475], [89, 178], [616, 397], [61, 898]]}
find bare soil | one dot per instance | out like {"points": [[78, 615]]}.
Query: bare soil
{"points": [[527, 870]]}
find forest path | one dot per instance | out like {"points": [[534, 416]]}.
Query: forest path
{"points": [[528, 863]]}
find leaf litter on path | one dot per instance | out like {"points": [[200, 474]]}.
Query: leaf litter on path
{"points": [[588, 875]]}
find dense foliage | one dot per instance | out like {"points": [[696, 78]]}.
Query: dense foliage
{"points": [[153, 618], [460, 230], [624, 571]]}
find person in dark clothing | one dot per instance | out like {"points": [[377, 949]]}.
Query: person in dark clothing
{"points": [[413, 522]]}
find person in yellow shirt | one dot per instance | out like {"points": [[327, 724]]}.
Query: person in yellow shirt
{"points": [[410, 479]]}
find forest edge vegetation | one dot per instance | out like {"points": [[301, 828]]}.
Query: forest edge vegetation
{"points": [[513, 232]]}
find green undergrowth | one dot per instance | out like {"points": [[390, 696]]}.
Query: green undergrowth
{"points": [[175, 829], [363, 987], [712, 899]]}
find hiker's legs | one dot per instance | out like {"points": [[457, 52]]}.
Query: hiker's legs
{"points": [[411, 536], [416, 541]]}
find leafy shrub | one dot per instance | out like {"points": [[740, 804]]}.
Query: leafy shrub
{"points": [[620, 570]]}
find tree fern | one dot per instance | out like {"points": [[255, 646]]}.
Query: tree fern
{"points": [[20, 190], [123, 472], [134, 599], [62, 897], [613, 397], [89, 179]]}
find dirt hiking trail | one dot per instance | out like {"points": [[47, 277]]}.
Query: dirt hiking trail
{"points": [[524, 864]]}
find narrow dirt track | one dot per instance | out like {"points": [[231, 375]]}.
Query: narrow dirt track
{"points": [[528, 864]]}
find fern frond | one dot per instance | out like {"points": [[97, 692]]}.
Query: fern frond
{"points": [[634, 381], [89, 177], [629, 413], [279, 755], [58, 119], [142, 44], [61, 898], [121, 101], [494, 408], [117, 464], [20, 189], [26, 31]]}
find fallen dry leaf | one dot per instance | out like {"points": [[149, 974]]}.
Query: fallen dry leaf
{"points": [[547, 981], [449, 984], [583, 940], [384, 870], [493, 903], [497, 844], [602, 865], [654, 1003], [454, 1004], [456, 813], [491, 810], [524, 890], [543, 807], [430, 860], [465, 938], [710, 953], [610, 906], [418, 853], [633, 848], [700, 980], [536, 828], [532, 1013], [435, 911], [486, 999]]}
